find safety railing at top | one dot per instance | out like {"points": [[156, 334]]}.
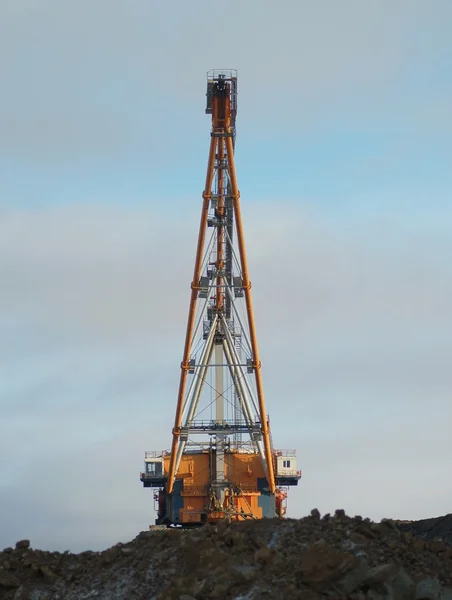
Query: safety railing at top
{"points": [[227, 73], [285, 452], [156, 453]]}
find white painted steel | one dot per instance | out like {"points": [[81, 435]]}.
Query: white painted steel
{"points": [[195, 389]]}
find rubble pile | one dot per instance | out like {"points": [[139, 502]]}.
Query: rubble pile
{"points": [[430, 529], [308, 559]]}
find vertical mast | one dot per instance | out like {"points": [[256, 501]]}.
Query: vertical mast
{"points": [[221, 464], [220, 280]]}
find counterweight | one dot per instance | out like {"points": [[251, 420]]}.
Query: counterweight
{"points": [[221, 463]]}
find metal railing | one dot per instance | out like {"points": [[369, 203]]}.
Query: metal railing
{"points": [[287, 453], [146, 475], [156, 453], [286, 473], [223, 426], [212, 424], [227, 73]]}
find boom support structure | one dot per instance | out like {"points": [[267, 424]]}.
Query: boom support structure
{"points": [[225, 466]]}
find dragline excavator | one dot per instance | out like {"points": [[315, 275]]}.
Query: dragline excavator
{"points": [[222, 463]]}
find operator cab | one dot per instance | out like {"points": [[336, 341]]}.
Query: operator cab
{"points": [[287, 472], [154, 472], [153, 466]]}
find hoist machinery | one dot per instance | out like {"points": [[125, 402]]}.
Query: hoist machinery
{"points": [[222, 464]]}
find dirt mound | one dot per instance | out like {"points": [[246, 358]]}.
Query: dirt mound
{"points": [[311, 558], [429, 529]]}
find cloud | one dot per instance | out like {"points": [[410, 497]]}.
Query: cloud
{"points": [[346, 105], [354, 325]]}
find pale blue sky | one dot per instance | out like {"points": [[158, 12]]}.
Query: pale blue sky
{"points": [[343, 157]]}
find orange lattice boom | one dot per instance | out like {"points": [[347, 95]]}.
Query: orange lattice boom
{"points": [[222, 464]]}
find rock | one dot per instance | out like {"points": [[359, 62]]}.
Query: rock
{"points": [[428, 589], [234, 538], [307, 559], [8, 550], [22, 593], [403, 586], [373, 595], [418, 545], [48, 574], [365, 529], [407, 536], [263, 555], [354, 578], [358, 538], [219, 591], [388, 528], [339, 512], [388, 581], [110, 555], [437, 546], [8, 579], [377, 529], [22, 544], [322, 563], [381, 574], [446, 555], [248, 572], [430, 529], [389, 523]]}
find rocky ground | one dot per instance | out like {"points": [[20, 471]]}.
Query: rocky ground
{"points": [[439, 527], [315, 557]]}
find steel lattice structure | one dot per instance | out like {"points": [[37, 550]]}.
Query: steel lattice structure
{"points": [[201, 477]]}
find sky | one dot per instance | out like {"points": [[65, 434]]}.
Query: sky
{"points": [[344, 153]]}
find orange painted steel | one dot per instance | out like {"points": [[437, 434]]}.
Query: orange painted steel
{"points": [[250, 311], [243, 471], [192, 310], [221, 140]]}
